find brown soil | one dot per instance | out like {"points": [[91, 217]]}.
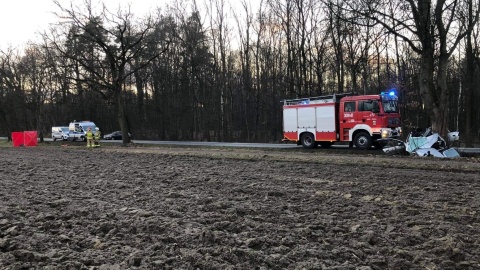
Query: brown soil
{"points": [[213, 208]]}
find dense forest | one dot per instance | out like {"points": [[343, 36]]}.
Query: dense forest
{"points": [[212, 71]]}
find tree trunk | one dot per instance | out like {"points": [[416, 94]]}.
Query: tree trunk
{"points": [[426, 84], [6, 125], [122, 117], [140, 96], [440, 99], [470, 88]]}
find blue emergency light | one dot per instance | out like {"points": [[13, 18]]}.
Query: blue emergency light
{"points": [[391, 92]]}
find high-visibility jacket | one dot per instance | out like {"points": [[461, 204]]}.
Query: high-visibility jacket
{"points": [[98, 135], [89, 135]]}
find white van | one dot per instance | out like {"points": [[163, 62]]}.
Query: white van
{"points": [[78, 129], [60, 133]]}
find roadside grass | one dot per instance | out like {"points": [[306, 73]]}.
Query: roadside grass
{"points": [[5, 144], [310, 157], [315, 157]]}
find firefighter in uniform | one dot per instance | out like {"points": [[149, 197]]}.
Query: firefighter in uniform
{"points": [[89, 136], [98, 136]]}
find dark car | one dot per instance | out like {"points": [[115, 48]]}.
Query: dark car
{"points": [[116, 135]]}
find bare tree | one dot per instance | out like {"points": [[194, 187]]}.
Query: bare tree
{"points": [[320, 51], [283, 11], [36, 69], [433, 29], [219, 30], [338, 34], [13, 109], [8, 84], [112, 42], [470, 79]]}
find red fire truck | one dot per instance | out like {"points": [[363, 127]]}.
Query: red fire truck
{"points": [[358, 119]]}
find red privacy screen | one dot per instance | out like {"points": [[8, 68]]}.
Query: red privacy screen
{"points": [[26, 138]]}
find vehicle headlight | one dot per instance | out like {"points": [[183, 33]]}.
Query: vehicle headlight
{"points": [[385, 133]]}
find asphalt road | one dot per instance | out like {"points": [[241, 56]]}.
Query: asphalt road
{"points": [[220, 144], [248, 145], [217, 144], [190, 143]]}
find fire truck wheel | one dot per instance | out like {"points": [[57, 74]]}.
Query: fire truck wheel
{"points": [[307, 140], [363, 141]]}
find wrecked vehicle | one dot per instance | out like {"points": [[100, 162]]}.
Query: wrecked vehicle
{"points": [[422, 143]]}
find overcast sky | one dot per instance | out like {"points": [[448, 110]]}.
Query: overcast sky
{"points": [[20, 20]]}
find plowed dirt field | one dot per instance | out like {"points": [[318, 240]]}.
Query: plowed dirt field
{"points": [[215, 208]]}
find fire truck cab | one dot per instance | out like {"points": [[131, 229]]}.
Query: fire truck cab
{"points": [[358, 119]]}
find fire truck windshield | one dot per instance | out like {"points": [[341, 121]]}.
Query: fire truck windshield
{"points": [[390, 104]]}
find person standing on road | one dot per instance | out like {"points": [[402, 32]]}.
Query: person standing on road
{"points": [[89, 136], [98, 136]]}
